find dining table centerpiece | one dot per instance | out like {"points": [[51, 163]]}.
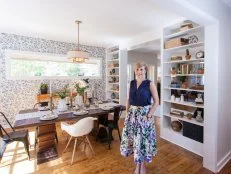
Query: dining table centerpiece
{"points": [[62, 94], [80, 98]]}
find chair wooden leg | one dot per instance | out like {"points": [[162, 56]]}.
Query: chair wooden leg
{"points": [[74, 151], [90, 144], [26, 146], [56, 137], [67, 144]]}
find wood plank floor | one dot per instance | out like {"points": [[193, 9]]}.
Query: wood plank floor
{"points": [[170, 159]]}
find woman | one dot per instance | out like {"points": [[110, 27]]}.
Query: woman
{"points": [[139, 135]]}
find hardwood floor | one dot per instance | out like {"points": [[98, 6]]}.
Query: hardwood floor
{"points": [[170, 159]]}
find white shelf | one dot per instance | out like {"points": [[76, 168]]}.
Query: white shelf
{"points": [[113, 75], [186, 61], [113, 91], [111, 60], [179, 75], [113, 67], [183, 89], [193, 121], [191, 104], [116, 100], [185, 46], [113, 83], [187, 32]]}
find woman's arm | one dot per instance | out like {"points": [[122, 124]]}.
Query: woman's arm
{"points": [[155, 98]]}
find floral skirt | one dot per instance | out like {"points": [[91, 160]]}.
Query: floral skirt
{"points": [[139, 135]]}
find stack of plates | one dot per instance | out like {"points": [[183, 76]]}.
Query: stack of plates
{"points": [[49, 116], [83, 112]]}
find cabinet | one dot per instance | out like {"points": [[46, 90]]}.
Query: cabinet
{"points": [[183, 85]]}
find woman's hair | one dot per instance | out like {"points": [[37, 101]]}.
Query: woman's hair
{"points": [[141, 64]]}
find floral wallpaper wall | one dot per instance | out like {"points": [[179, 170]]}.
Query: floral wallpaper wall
{"points": [[16, 95]]}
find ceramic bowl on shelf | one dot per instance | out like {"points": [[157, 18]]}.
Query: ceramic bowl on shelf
{"points": [[176, 126]]}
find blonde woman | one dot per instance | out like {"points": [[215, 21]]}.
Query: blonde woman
{"points": [[139, 135]]}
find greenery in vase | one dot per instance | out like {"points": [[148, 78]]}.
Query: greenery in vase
{"points": [[80, 90], [63, 93]]}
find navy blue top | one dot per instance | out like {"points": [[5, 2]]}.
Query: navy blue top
{"points": [[141, 96]]}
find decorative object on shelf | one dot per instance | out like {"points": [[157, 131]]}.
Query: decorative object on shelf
{"points": [[199, 99], [175, 43], [173, 72], [113, 71], [177, 99], [189, 116], [199, 116], [192, 39], [77, 56], [173, 97], [175, 84], [186, 25], [44, 88], [111, 65], [113, 95], [174, 58], [200, 54], [115, 49], [197, 87], [115, 56], [187, 56], [116, 64], [176, 126], [177, 113], [201, 69], [182, 98], [184, 82]]}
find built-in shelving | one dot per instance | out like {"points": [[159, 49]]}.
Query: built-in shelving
{"points": [[185, 61], [113, 74], [192, 104], [185, 47], [192, 74], [185, 119], [183, 89], [183, 33]]}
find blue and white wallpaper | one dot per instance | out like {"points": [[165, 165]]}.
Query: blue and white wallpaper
{"points": [[16, 95]]}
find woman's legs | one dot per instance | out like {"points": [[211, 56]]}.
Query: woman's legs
{"points": [[137, 171], [143, 168]]}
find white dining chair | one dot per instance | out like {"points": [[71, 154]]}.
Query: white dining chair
{"points": [[80, 129]]}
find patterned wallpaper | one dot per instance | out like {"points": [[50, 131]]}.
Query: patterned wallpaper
{"points": [[21, 94]]}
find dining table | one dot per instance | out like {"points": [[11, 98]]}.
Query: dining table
{"points": [[31, 117]]}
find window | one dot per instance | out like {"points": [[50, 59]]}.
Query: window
{"points": [[23, 65]]}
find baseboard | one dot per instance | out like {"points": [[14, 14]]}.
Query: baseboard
{"points": [[223, 162]]}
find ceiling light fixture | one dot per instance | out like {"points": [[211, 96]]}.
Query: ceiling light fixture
{"points": [[77, 56]]}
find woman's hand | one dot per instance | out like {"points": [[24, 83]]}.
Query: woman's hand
{"points": [[149, 116]]}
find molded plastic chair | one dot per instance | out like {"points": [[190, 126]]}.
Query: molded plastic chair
{"points": [[80, 129], [9, 137]]}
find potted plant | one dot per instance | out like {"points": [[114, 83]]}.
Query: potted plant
{"points": [[80, 88], [62, 102], [43, 88]]}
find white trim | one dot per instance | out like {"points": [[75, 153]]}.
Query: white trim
{"points": [[223, 162], [16, 54]]}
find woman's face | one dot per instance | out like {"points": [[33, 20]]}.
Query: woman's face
{"points": [[140, 72]]}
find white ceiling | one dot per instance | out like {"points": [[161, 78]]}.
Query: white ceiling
{"points": [[105, 22], [227, 2], [148, 47]]}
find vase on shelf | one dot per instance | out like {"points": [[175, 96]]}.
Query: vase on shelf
{"points": [[62, 105], [199, 116]]}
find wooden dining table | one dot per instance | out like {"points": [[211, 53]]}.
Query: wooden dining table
{"points": [[68, 116]]}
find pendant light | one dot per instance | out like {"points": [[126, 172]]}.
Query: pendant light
{"points": [[77, 56]]}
